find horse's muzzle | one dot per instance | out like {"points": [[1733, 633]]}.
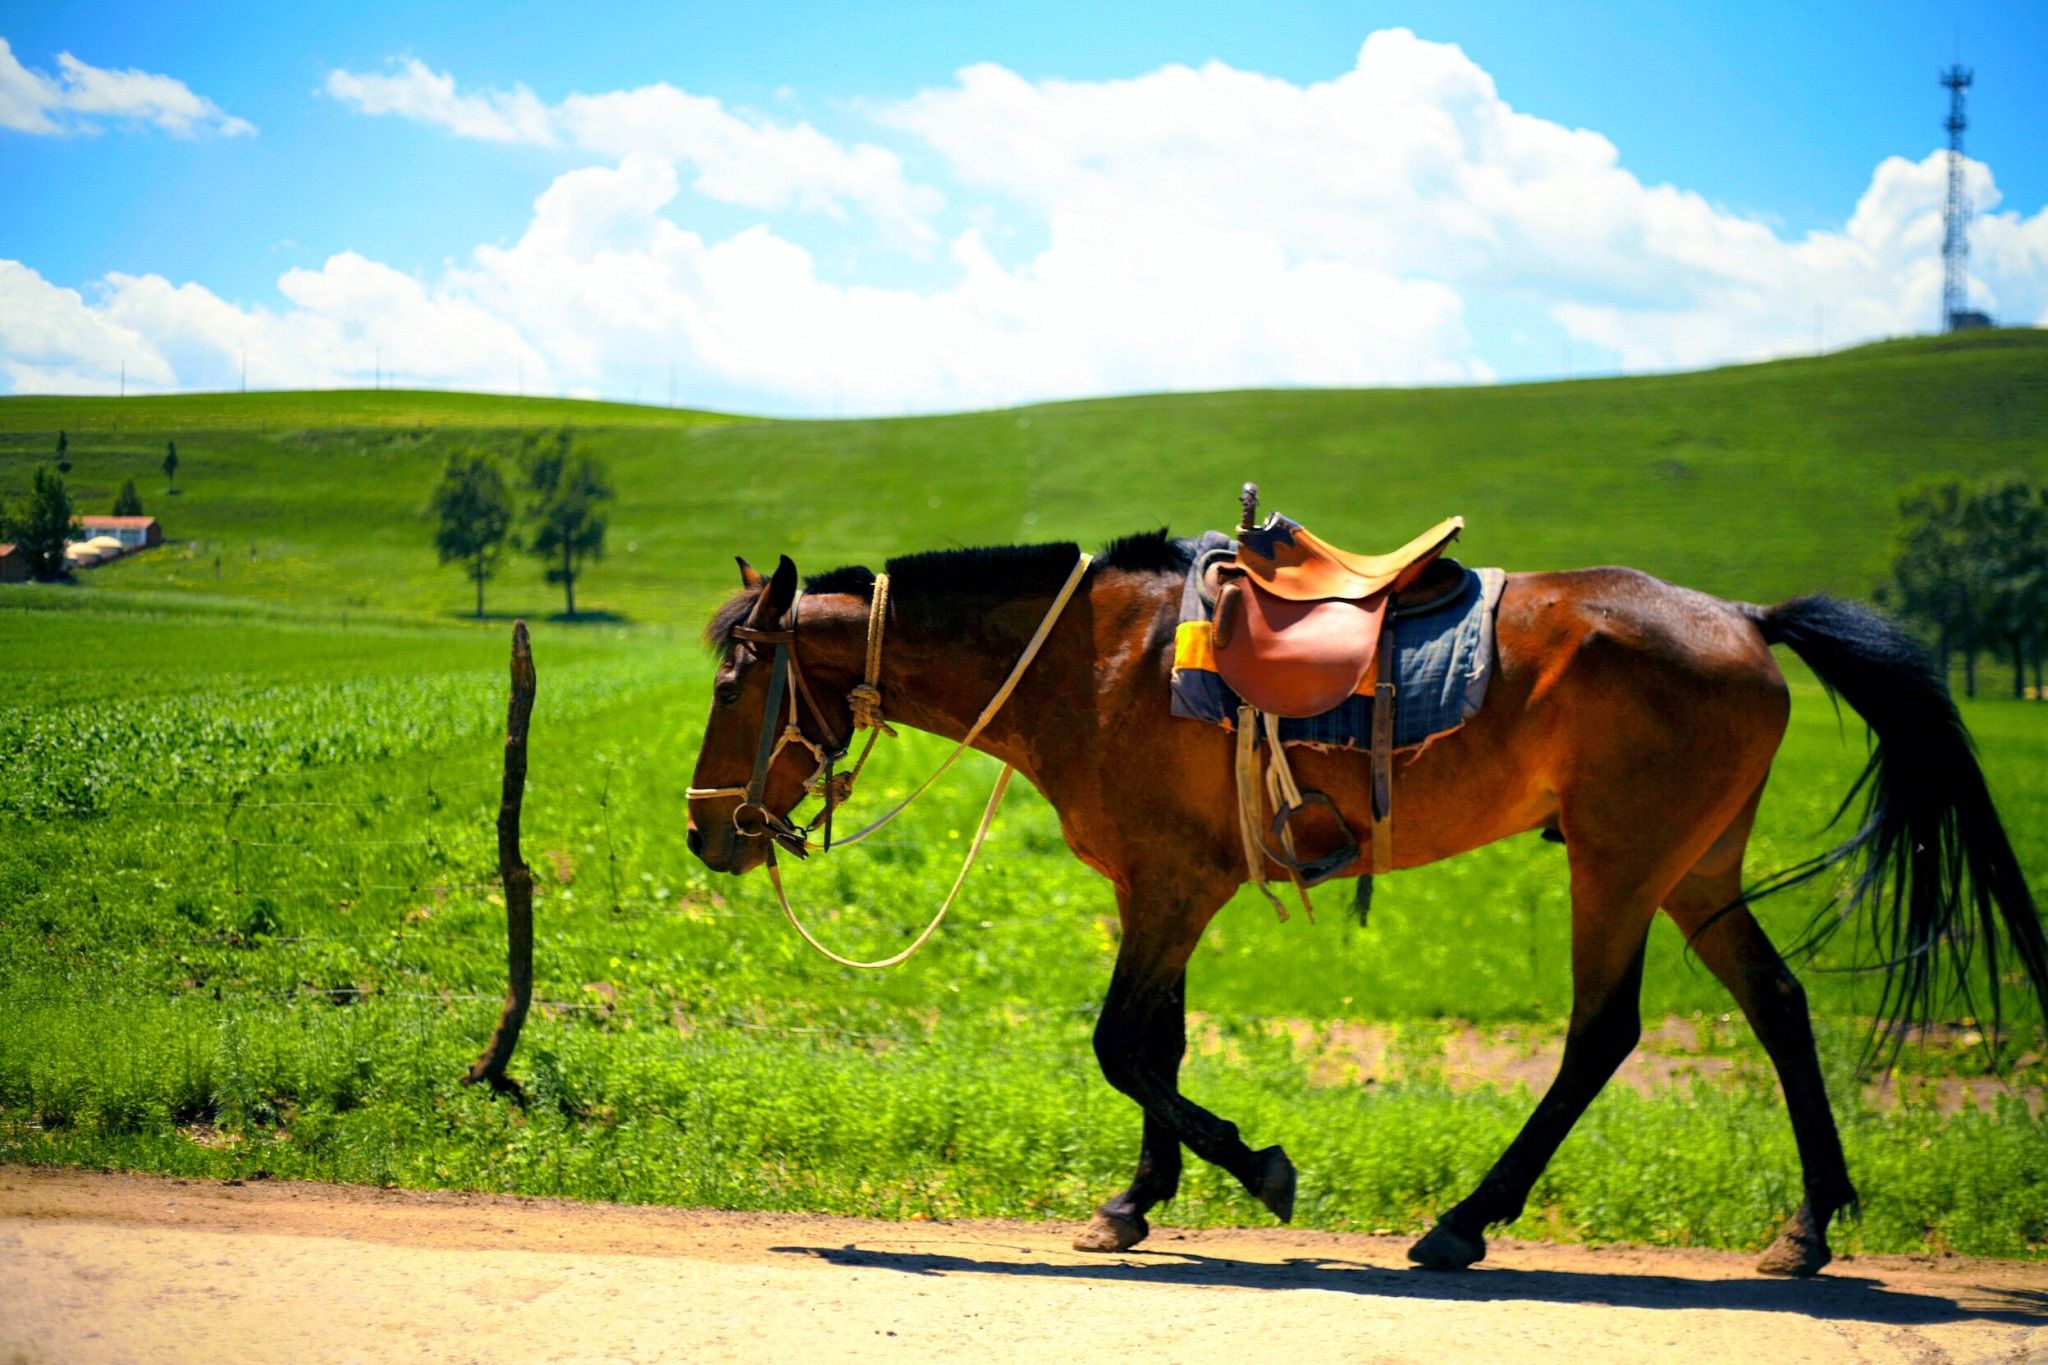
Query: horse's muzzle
{"points": [[724, 850]]}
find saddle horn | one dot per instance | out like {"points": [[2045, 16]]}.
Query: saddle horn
{"points": [[1250, 501]]}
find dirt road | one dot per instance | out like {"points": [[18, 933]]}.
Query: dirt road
{"points": [[97, 1267]]}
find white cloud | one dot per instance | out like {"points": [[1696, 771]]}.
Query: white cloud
{"points": [[1190, 228], [608, 280], [417, 92], [1411, 164], [346, 322], [81, 98], [739, 159]]}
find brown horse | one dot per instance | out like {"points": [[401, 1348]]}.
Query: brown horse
{"points": [[1634, 720]]}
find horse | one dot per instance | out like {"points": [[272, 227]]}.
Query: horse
{"points": [[1634, 720]]}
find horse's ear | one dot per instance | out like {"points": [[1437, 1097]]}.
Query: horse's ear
{"points": [[750, 577], [775, 602]]}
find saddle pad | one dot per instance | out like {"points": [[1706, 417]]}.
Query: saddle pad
{"points": [[1443, 660]]}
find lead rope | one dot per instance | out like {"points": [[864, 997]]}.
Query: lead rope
{"points": [[995, 796], [988, 815]]}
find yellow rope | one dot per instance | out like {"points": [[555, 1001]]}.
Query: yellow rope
{"points": [[995, 797], [865, 701], [988, 713], [988, 815]]}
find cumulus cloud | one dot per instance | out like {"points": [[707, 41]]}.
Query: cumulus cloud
{"points": [[1879, 275], [739, 159], [81, 98], [415, 91], [1187, 228], [346, 322], [1412, 164]]}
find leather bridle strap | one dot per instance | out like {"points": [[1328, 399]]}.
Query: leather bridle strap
{"points": [[865, 703], [995, 703], [764, 753]]}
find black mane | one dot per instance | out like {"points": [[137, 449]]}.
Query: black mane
{"points": [[978, 570]]}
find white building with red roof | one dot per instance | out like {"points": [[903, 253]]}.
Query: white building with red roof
{"points": [[134, 533]]}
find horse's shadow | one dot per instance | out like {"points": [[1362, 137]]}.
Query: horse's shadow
{"points": [[1835, 1296]]}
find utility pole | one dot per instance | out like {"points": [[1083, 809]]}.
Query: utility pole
{"points": [[1955, 238], [245, 371], [124, 378]]}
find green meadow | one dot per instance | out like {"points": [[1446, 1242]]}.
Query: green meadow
{"points": [[249, 922]]}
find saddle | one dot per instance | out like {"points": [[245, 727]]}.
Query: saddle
{"points": [[1296, 631], [1298, 621]]}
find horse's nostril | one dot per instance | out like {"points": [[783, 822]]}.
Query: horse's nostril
{"points": [[696, 842]]}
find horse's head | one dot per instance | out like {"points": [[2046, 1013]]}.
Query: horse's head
{"points": [[745, 785]]}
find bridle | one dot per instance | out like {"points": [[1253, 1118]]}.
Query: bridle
{"points": [[751, 818]]}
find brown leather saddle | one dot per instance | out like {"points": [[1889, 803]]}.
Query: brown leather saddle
{"points": [[1296, 631], [1298, 621]]}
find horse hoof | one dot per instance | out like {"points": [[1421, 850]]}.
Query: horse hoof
{"points": [[1112, 1232], [1275, 1188], [1443, 1247], [1797, 1254]]}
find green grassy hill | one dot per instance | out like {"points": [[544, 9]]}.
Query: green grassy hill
{"points": [[1757, 481], [249, 921]]}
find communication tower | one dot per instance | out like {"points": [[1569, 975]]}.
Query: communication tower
{"points": [[1955, 225]]}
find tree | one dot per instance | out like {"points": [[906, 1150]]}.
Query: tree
{"points": [[171, 465], [475, 517], [1972, 566], [564, 516], [2008, 523], [129, 503], [44, 528], [1935, 575], [63, 452]]}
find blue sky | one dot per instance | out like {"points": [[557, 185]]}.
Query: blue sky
{"points": [[809, 208]]}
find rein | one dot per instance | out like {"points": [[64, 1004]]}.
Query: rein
{"points": [[751, 818]]}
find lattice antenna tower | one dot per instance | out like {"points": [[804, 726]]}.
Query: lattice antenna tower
{"points": [[1955, 240]]}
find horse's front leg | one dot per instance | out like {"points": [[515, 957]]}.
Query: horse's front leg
{"points": [[1120, 1223], [1139, 1040]]}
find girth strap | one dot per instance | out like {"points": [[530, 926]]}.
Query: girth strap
{"points": [[1383, 755]]}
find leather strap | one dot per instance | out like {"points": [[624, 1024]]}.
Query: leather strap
{"points": [[1383, 754], [778, 678]]}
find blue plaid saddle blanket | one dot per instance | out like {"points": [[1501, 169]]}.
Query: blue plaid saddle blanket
{"points": [[1443, 660]]}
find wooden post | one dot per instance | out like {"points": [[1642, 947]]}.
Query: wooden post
{"points": [[517, 878]]}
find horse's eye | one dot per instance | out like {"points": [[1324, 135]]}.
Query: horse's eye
{"points": [[728, 694]]}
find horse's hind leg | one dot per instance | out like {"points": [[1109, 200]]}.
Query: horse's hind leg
{"points": [[1708, 908], [1609, 928], [1120, 1223]]}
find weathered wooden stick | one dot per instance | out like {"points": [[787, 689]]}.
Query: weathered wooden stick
{"points": [[517, 878]]}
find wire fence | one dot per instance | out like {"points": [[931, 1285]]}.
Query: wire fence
{"points": [[252, 847]]}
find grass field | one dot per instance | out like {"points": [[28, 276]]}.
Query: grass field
{"points": [[248, 922]]}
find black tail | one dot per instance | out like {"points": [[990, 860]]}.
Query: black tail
{"points": [[1929, 859]]}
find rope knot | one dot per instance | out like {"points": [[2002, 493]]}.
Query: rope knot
{"points": [[865, 701]]}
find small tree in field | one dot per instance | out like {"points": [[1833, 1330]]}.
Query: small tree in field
{"points": [[1938, 575], [171, 465], [42, 529], [566, 523], [129, 502], [474, 516]]}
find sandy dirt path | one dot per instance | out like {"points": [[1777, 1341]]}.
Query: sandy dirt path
{"points": [[110, 1267]]}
